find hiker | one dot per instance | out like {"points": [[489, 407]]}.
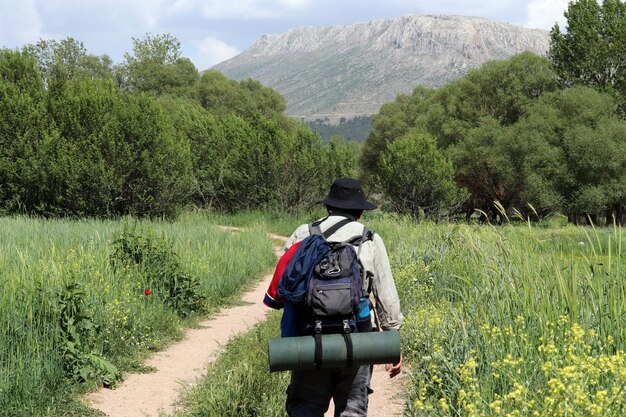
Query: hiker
{"points": [[310, 391]]}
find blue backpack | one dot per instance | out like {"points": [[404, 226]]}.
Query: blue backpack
{"points": [[324, 283]]}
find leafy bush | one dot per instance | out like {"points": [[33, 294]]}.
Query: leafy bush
{"points": [[161, 271], [78, 333], [416, 177]]}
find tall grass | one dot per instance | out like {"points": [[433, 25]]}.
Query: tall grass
{"points": [[507, 320], [497, 317], [40, 259], [512, 320]]}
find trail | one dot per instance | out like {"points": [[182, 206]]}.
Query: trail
{"points": [[182, 364]]}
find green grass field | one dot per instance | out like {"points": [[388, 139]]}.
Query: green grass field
{"points": [[71, 308], [511, 320]]}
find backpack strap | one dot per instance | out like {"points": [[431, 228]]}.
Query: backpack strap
{"points": [[314, 228], [368, 234], [347, 338], [317, 355], [318, 352]]}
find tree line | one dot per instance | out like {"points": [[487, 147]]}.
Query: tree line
{"points": [[527, 136], [354, 129], [80, 136]]}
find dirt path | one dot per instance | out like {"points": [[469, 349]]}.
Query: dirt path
{"points": [[182, 364]]}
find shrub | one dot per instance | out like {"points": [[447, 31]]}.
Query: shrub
{"points": [[160, 268]]}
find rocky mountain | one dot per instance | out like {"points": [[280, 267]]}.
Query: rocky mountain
{"points": [[351, 70]]}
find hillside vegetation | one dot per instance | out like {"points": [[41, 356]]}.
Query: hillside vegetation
{"points": [[355, 129], [510, 137], [524, 137]]}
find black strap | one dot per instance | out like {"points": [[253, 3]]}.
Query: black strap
{"points": [[314, 228], [349, 350], [332, 229], [317, 358]]}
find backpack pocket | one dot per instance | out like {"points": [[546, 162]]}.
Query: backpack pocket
{"points": [[334, 266], [331, 299]]}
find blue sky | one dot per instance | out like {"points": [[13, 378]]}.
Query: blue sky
{"points": [[211, 31]]}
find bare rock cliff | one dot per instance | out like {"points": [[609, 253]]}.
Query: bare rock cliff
{"points": [[351, 70]]}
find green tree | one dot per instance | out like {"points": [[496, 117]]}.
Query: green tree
{"points": [[309, 166], [591, 50], [156, 167], [67, 59], [506, 167], [415, 177], [22, 126], [498, 91], [162, 48], [304, 169], [596, 162], [392, 121], [236, 162], [482, 165], [343, 157], [263, 99], [540, 160], [594, 143], [355, 129], [156, 67], [256, 161], [208, 141], [80, 161], [581, 163], [220, 95], [564, 154]]}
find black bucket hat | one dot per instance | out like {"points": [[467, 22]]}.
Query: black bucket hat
{"points": [[347, 193]]}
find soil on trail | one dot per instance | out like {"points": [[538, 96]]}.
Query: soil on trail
{"points": [[183, 363]]}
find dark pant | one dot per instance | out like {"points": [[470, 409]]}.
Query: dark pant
{"points": [[310, 392]]}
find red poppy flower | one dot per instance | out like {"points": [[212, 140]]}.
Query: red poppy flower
{"points": [[147, 292]]}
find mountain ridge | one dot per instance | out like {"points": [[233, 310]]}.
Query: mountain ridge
{"points": [[329, 72]]}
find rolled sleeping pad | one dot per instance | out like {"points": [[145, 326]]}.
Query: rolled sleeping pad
{"points": [[297, 353]]}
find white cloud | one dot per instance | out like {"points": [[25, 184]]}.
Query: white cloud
{"points": [[240, 9], [243, 9], [212, 51], [222, 9], [105, 27], [182, 6], [21, 26], [543, 14], [100, 15], [295, 4]]}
